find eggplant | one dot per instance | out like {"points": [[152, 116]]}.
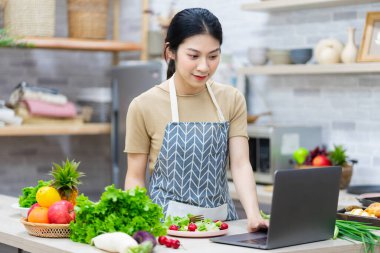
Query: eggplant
{"points": [[143, 236]]}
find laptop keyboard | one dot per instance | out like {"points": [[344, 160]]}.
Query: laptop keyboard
{"points": [[260, 241]]}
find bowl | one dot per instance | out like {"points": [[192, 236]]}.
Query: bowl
{"points": [[257, 56], [301, 56], [22, 210], [278, 56]]}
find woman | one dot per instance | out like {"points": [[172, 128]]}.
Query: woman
{"points": [[188, 127]]}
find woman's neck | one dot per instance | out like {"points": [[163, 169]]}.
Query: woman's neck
{"points": [[183, 88]]}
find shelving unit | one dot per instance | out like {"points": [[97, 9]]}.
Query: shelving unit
{"points": [[81, 44], [287, 5], [357, 68], [32, 130]]}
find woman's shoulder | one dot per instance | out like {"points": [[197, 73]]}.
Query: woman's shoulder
{"points": [[154, 94], [225, 90]]}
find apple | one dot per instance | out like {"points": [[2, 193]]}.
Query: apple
{"points": [[32, 207], [300, 155], [321, 160], [61, 212]]}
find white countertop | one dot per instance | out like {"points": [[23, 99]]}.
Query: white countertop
{"points": [[13, 233]]}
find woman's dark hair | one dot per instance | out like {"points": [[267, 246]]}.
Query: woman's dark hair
{"points": [[187, 23]]}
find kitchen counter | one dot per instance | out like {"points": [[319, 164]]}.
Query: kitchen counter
{"points": [[13, 233], [264, 195]]}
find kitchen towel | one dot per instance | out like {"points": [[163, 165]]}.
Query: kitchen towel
{"points": [[41, 108]]}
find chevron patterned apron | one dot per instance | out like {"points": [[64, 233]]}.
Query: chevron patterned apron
{"points": [[189, 175]]}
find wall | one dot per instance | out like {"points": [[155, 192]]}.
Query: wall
{"points": [[346, 106]]}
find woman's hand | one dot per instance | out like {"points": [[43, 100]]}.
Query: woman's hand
{"points": [[256, 223]]}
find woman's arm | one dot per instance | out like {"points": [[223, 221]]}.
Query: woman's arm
{"points": [[244, 181], [136, 170]]}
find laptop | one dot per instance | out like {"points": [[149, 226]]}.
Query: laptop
{"points": [[304, 206]]}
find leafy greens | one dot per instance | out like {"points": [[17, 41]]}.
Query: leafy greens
{"points": [[28, 197], [125, 211]]}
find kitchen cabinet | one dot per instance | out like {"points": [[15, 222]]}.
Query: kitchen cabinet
{"points": [[112, 46], [13, 233], [288, 5]]}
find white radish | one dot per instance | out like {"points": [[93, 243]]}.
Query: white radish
{"points": [[114, 242]]}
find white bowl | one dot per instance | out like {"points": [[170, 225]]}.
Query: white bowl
{"points": [[22, 210], [257, 56]]}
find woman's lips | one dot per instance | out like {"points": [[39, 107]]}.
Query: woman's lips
{"points": [[200, 78]]}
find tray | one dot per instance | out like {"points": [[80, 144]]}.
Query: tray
{"points": [[369, 220], [198, 234]]}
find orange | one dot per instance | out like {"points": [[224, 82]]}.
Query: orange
{"points": [[39, 214], [47, 196]]}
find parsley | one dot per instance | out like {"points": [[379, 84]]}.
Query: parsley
{"points": [[118, 210]]}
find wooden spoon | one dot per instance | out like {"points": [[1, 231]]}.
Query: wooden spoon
{"points": [[253, 118]]}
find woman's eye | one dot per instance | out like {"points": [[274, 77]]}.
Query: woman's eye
{"points": [[213, 57], [193, 56]]}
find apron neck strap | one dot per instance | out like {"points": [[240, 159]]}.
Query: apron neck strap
{"points": [[174, 103]]}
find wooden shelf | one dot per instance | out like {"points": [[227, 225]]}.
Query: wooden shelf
{"points": [[33, 130], [81, 44], [357, 68], [287, 5]]}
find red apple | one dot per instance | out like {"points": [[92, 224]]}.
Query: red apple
{"points": [[31, 208], [61, 212], [321, 160]]}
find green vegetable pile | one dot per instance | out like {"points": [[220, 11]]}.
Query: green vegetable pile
{"points": [[183, 223], [28, 197], [118, 210], [358, 231]]}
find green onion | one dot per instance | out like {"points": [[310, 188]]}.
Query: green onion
{"points": [[357, 231]]}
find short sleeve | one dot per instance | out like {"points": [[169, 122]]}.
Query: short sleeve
{"points": [[238, 119], [137, 139]]}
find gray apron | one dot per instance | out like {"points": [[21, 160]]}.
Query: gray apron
{"points": [[189, 175]]}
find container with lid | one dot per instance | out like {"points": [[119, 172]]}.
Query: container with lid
{"points": [[99, 99]]}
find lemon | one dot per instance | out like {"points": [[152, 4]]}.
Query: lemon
{"points": [[47, 195]]}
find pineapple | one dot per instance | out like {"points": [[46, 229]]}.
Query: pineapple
{"points": [[338, 156], [66, 179]]}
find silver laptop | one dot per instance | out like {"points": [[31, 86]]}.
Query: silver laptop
{"points": [[304, 206]]}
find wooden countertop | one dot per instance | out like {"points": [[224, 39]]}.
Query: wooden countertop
{"points": [[264, 195], [13, 233]]}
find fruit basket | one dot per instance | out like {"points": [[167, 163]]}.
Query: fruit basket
{"points": [[46, 230]]}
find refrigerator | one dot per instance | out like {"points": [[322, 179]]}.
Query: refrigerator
{"points": [[129, 79]]}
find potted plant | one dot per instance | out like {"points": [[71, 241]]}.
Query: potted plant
{"points": [[338, 157]]}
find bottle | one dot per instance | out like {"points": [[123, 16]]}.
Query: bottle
{"points": [[350, 50]]}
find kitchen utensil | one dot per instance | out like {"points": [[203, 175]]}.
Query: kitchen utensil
{"points": [[47, 230], [278, 57], [196, 218], [360, 189], [301, 56], [368, 198], [341, 215], [253, 118], [257, 56]]}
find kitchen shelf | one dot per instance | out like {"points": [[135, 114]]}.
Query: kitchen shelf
{"points": [[33, 130], [356, 68], [81, 44], [287, 5]]}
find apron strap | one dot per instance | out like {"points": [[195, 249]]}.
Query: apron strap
{"points": [[174, 104]]}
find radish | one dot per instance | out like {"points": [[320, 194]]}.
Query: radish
{"points": [[114, 242]]}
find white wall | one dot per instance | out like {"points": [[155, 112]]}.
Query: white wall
{"points": [[347, 106]]}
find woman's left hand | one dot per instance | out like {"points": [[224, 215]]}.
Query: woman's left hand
{"points": [[256, 223]]}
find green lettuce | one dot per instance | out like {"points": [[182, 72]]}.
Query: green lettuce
{"points": [[117, 210]]}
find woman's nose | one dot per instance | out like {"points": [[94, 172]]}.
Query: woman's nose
{"points": [[203, 65]]}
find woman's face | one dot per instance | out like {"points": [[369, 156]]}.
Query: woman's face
{"points": [[196, 61]]}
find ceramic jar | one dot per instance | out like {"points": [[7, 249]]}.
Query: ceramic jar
{"points": [[350, 50]]}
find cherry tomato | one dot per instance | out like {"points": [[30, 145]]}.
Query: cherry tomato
{"points": [[192, 227], [162, 240], [223, 226], [176, 244], [173, 227], [169, 243]]}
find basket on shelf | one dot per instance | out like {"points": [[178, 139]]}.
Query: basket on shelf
{"points": [[345, 177], [47, 230], [29, 17], [88, 18]]}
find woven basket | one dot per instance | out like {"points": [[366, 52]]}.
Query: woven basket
{"points": [[88, 18], [47, 230], [29, 17], [344, 179]]}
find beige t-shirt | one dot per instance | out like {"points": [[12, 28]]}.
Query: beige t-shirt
{"points": [[150, 112]]}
